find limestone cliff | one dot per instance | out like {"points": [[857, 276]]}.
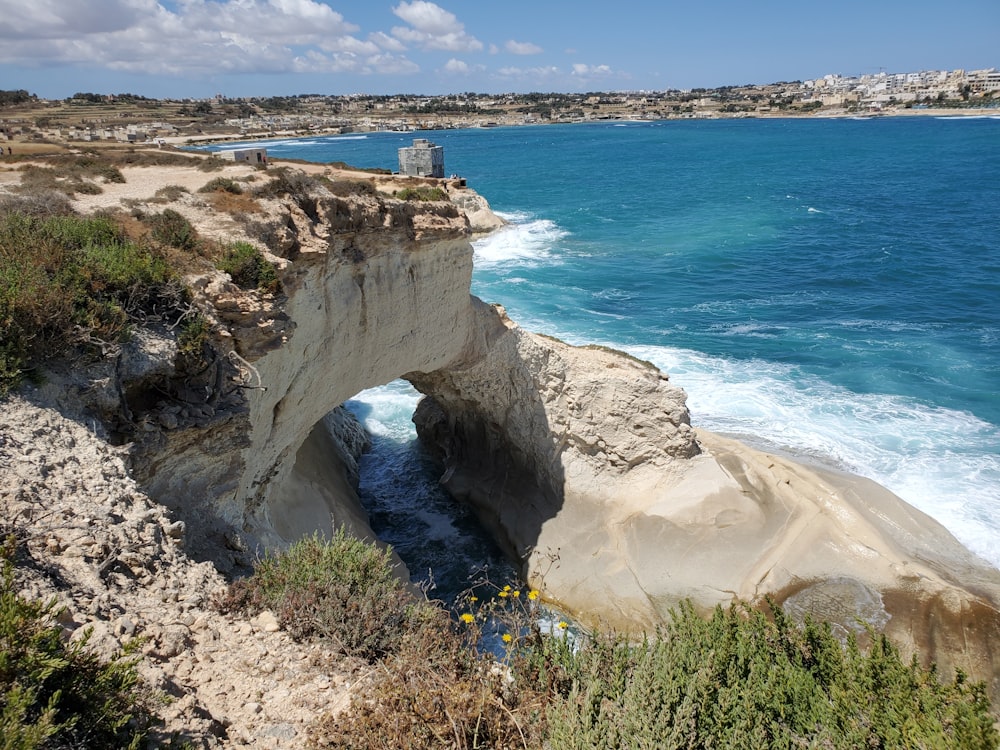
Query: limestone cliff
{"points": [[582, 459]]}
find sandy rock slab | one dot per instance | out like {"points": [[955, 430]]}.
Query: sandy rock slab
{"points": [[586, 466]]}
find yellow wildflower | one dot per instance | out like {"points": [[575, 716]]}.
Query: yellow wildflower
{"points": [[473, 598], [515, 593], [502, 594], [507, 637], [507, 587], [533, 594], [467, 618], [563, 625]]}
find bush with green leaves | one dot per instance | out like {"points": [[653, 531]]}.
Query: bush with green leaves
{"points": [[222, 184], [741, 678], [249, 268], [170, 193], [171, 228], [422, 193], [67, 281], [342, 589], [294, 183], [55, 694], [745, 679]]}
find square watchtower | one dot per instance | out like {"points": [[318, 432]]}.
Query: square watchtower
{"points": [[422, 159]]}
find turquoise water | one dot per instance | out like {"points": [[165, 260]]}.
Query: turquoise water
{"points": [[829, 287]]}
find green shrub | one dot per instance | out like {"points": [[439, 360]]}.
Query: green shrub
{"points": [[344, 188], [342, 589], [249, 268], [70, 175], [222, 184], [61, 695], [422, 193], [191, 341], [435, 691], [42, 203], [741, 679], [170, 193], [172, 229], [69, 280], [294, 183]]}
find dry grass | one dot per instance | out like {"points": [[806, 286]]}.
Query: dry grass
{"points": [[231, 203]]}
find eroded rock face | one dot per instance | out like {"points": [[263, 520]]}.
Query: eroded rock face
{"points": [[583, 460], [520, 418], [584, 463], [375, 289]]}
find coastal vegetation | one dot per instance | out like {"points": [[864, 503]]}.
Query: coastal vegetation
{"points": [[56, 693], [249, 268], [74, 283], [422, 193], [501, 673]]}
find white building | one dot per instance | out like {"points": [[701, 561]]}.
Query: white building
{"points": [[248, 155]]}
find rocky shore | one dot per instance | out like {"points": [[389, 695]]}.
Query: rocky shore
{"points": [[583, 461]]}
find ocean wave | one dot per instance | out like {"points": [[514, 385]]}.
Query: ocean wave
{"points": [[753, 330], [263, 143], [894, 326], [524, 243], [613, 294], [281, 143], [387, 410], [944, 462]]}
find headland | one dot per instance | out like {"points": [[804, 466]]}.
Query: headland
{"points": [[582, 460]]}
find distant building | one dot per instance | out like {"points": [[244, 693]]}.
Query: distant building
{"points": [[249, 155], [422, 159]]}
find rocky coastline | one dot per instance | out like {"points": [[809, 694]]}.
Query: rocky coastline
{"points": [[583, 460]]}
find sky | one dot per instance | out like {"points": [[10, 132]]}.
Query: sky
{"points": [[200, 48]]}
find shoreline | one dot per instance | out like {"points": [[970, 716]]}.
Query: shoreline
{"points": [[947, 113]]}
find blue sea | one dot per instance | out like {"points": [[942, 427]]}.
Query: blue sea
{"points": [[824, 287]]}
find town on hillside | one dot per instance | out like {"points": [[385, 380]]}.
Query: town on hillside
{"points": [[128, 118]]}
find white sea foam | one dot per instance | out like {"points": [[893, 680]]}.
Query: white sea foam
{"points": [[282, 142], [523, 243], [263, 143], [387, 410], [942, 461], [751, 330]]}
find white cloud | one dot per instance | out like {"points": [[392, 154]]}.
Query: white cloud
{"points": [[537, 73], [428, 17], [522, 48], [456, 66], [386, 42], [591, 71], [390, 65], [432, 27], [194, 37], [52, 19]]}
